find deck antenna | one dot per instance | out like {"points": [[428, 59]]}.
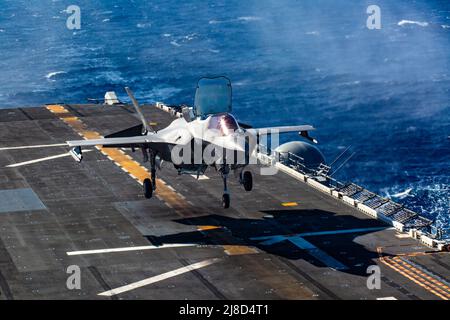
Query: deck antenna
{"points": [[346, 160], [339, 156]]}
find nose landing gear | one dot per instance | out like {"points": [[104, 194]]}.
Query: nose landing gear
{"points": [[224, 171], [149, 185], [246, 180]]}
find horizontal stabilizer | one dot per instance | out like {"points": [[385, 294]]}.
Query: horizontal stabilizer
{"points": [[129, 132], [283, 129]]}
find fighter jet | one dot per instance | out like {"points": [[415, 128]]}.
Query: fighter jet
{"points": [[207, 135]]}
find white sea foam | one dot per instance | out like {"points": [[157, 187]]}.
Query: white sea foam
{"points": [[403, 194], [249, 18], [174, 43], [419, 23], [238, 19], [445, 26], [105, 20], [51, 75], [144, 25]]}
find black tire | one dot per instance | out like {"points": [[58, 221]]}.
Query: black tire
{"points": [[148, 188], [226, 201], [247, 181]]}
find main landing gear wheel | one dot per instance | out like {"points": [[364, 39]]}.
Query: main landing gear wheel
{"points": [[148, 188], [247, 181], [226, 200]]}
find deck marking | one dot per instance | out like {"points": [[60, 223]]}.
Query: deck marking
{"points": [[236, 250], [408, 270], [387, 298], [289, 204], [402, 235], [124, 249], [318, 253], [323, 233], [160, 277], [205, 228], [19, 164], [311, 249], [35, 146], [200, 177]]}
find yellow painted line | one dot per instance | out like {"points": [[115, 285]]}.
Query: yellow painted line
{"points": [[421, 273], [423, 285], [132, 167], [413, 274], [233, 250], [418, 279], [289, 204], [153, 123], [205, 228]]}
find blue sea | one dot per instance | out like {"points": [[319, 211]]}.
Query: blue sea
{"points": [[385, 93]]}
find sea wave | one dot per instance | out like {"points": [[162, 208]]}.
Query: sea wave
{"points": [[407, 22], [238, 19], [428, 197], [51, 75]]}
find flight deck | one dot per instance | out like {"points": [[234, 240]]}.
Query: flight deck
{"points": [[283, 240]]}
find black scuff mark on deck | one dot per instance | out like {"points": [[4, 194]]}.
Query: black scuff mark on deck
{"points": [[398, 287], [26, 114], [315, 283], [5, 288], [203, 280], [100, 280]]}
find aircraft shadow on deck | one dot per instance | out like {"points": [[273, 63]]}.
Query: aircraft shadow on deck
{"points": [[270, 233]]}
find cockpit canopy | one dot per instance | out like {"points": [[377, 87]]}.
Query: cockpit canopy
{"points": [[213, 96], [225, 123]]}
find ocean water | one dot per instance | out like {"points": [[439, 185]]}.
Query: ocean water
{"points": [[383, 92]]}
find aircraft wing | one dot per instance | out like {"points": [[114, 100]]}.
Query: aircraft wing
{"points": [[124, 141], [302, 130], [282, 129]]}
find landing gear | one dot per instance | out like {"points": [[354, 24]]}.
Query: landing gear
{"points": [[247, 180], [224, 171], [226, 200], [148, 188], [149, 185], [153, 169]]}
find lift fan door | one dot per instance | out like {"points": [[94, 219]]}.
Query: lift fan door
{"points": [[213, 96]]}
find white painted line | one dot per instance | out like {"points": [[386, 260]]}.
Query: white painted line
{"points": [[201, 177], [19, 164], [324, 233], [165, 246], [387, 298], [36, 146], [158, 278], [402, 235]]}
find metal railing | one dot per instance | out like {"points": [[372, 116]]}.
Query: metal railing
{"points": [[383, 206]]}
